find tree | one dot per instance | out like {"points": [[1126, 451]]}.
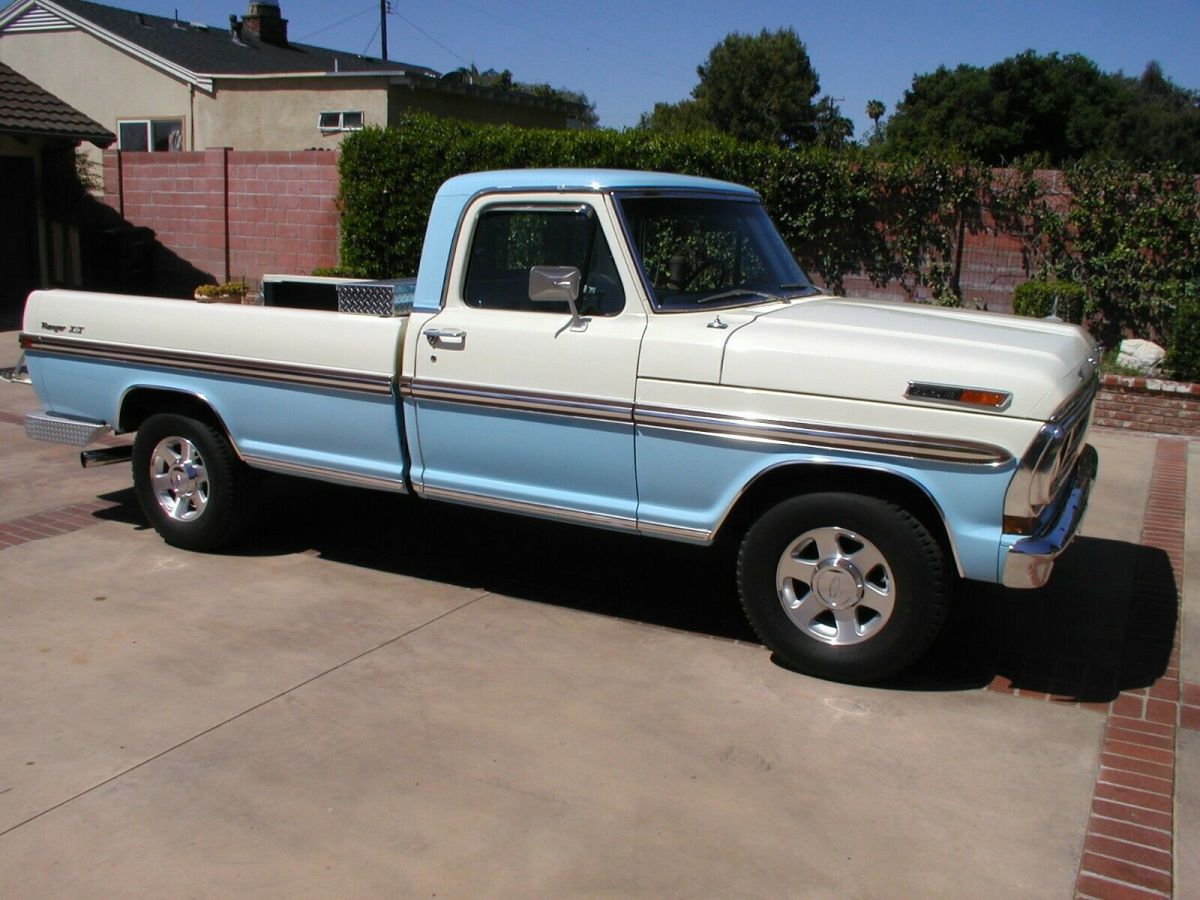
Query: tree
{"points": [[683, 117], [833, 129], [1160, 124], [760, 88], [1056, 109], [875, 111]]}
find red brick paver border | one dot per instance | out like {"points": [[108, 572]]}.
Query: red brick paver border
{"points": [[1128, 851], [50, 523]]}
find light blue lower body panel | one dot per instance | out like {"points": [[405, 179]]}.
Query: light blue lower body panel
{"points": [[580, 466], [292, 427], [689, 482]]}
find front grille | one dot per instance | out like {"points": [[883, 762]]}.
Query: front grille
{"points": [[1047, 466]]}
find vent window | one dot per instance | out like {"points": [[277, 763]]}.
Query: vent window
{"points": [[344, 120]]}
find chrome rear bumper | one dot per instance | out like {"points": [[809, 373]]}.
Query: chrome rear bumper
{"points": [[1030, 560]]}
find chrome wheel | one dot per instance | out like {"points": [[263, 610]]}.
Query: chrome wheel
{"points": [[835, 586], [179, 478], [190, 483], [843, 585]]}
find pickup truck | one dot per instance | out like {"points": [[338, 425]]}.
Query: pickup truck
{"points": [[632, 351]]}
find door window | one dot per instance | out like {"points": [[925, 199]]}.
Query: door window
{"points": [[508, 242]]}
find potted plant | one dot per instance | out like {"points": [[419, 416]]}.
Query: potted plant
{"points": [[229, 292]]}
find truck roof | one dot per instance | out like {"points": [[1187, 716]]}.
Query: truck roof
{"points": [[583, 179]]}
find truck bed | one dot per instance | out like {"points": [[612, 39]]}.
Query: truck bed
{"points": [[302, 391]]}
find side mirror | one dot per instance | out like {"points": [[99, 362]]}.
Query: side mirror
{"points": [[556, 284]]}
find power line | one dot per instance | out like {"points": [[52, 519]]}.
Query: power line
{"points": [[431, 37], [634, 60], [349, 18], [370, 41]]}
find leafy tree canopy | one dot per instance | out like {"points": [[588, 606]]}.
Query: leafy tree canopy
{"points": [[684, 117], [757, 88], [1056, 109], [760, 88]]}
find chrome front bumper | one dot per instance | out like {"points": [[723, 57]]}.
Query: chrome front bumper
{"points": [[1030, 560]]}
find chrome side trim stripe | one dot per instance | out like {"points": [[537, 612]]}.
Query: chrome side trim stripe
{"points": [[379, 383], [823, 436], [558, 513], [554, 404], [717, 424], [541, 510], [676, 532], [335, 476]]}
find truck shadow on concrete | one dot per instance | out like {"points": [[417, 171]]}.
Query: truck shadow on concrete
{"points": [[1105, 622]]}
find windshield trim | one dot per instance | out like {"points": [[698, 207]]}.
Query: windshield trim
{"points": [[648, 289]]}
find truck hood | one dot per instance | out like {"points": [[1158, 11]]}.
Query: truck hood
{"points": [[872, 351]]}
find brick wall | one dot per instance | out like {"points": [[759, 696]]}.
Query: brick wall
{"points": [[1148, 404], [282, 215], [230, 214]]}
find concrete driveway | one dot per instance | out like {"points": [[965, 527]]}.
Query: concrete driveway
{"points": [[378, 697]]}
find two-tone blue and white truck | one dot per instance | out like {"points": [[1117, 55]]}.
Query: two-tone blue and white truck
{"points": [[633, 351]]}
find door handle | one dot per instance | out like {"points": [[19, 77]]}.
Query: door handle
{"points": [[446, 337]]}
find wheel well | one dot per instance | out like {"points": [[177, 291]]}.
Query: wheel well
{"points": [[790, 481], [141, 403]]}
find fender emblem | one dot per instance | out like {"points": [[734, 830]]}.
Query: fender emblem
{"points": [[59, 329]]}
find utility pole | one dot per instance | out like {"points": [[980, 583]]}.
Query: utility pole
{"points": [[383, 11]]}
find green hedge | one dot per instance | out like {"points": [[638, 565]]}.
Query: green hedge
{"points": [[1043, 298], [1130, 240], [1183, 349], [841, 214]]}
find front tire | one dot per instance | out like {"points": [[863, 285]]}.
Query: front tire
{"points": [[189, 482], [843, 586]]}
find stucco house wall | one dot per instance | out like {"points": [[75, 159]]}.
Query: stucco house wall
{"points": [[283, 113], [98, 80], [246, 113]]}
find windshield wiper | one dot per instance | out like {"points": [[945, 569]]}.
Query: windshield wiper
{"points": [[805, 287], [740, 292]]}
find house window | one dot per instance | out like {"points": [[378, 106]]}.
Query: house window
{"points": [[156, 135], [346, 120]]}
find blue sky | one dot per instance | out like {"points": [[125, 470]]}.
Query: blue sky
{"points": [[627, 55]]}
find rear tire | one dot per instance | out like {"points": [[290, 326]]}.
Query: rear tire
{"points": [[843, 586], [190, 484]]}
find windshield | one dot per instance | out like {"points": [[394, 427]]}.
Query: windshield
{"points": [[711, 251]]}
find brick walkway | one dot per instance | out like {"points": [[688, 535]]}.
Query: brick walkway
{"points": [[51, 523], [1129, 846]]}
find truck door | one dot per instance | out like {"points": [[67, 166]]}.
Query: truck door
{"points": [[519, 405]]}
